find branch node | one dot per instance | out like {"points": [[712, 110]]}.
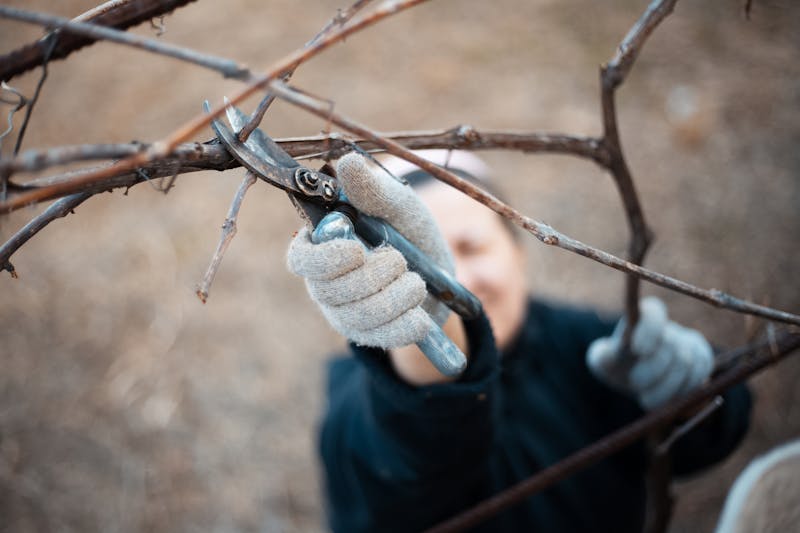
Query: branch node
{"points": [[468, 134]]}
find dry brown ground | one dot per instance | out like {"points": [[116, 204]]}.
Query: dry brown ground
{"points": [[127, 405]]}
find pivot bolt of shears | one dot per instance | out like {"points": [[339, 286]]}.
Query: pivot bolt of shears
{"points": [[327, 191], [306, 179]]}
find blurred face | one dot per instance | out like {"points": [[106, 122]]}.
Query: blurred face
{"points": [[488, 260]]}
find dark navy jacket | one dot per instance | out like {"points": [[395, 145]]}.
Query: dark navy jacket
{"points": [[402, 458]]}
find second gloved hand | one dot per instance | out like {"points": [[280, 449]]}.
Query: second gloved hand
{"points": [[667, 359], [369, 296]]}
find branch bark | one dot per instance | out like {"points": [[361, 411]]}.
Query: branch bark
{"points": [[228, 68], [119, 14], [208, 155]]}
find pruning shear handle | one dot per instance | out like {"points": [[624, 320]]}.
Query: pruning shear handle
{"points": [[321, 202]]}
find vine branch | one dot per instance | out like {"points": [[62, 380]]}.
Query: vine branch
{"points": [[211, 155], [119, 14], [228, 68], [659, 500]]}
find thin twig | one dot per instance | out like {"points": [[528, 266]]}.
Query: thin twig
{"points": [[50, 42], [228, 231], [690, 424], [339, 20], [540, 230], [119, 14], [760, 358], [228, 68], [15, 106], [58, 209]]}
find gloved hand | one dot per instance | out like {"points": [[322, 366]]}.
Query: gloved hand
{"points": [[369, 296], [667, 360]]}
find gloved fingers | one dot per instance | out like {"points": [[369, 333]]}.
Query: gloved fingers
{"points": [[324, 261], [381, 267], [378, 194], [667, 388], [701, 359], [681, 343], [436, 309], [601, 357], [408, 328], [649, 329], [404, 293], [647, 372]]}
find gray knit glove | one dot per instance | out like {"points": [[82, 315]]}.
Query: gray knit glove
{"points": [[667, 361], [369, 296]]}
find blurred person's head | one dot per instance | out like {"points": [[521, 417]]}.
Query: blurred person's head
{"points": [[489, 258]]}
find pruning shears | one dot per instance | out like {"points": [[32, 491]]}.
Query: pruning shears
{"points": [[319, 199]]}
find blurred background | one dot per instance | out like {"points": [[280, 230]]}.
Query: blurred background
{"points": [[127, 405]]}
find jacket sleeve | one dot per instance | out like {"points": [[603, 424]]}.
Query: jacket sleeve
{"points": [[400, 458]]}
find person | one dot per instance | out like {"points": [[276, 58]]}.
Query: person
{"points": [[404, 447]]}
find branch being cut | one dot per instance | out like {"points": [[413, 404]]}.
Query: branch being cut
{"points": [[230, 69], [541, 231], [208, 155], [213, 156], [228, 231], [119, 14]]}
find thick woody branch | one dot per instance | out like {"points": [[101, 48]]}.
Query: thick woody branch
{"points": [[119, 14], [228, 231], [230, 69], [208, 155], [35, 160], [192, 157], [541, 231], [759, 358]]}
